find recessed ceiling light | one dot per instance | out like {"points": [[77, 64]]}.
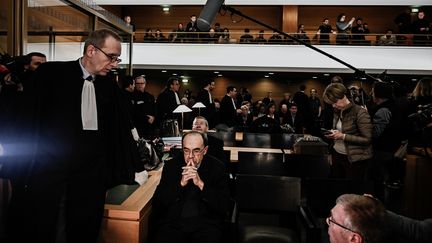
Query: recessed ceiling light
{"points": [[219, 75], [164, 71], [182, 76], [174, 74], [363, 78], [185, 80], [326, 74], [414, 10], [266, 76], [216, 72], [271, 73], [314, 77], [414, 79]]}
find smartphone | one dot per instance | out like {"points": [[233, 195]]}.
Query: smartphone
{"points": [[326, 132]]}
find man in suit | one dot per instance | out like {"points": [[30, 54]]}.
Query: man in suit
{"points": [[144, 111], [82, 140], [191, 199], [168, 100], [294, 119], [215, 144], [228, 108], [205, 97]]}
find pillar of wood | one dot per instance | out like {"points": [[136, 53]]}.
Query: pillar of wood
{"points": [[289, 19]]}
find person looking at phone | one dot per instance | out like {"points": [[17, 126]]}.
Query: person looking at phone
{"points": [[351, 134]]}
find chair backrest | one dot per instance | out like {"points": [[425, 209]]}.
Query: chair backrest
{"points": [[227, 137], [259, 163], [258, 140], [321, 194], [268, 193], [305, 165]]}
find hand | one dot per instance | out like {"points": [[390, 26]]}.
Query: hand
{"points": [[190, 172], [336, 135], [150, 119]]}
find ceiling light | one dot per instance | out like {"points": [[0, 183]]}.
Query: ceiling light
{"points": [[216, 72], [414, 10], [314, 77], [219, 75], [185, 80], [164, 71], [326, 74], [266, 76], [414, 79], [174, 74], [271, 73], [363, 78], [165, 9]]}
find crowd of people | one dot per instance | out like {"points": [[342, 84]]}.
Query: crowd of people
{"points": [[66, 141], [352, 31]]}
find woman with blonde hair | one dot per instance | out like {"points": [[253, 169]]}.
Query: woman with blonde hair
{"points": [[351, 133]]}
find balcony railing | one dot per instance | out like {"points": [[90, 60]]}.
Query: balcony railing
{"points": [[373, 39]]}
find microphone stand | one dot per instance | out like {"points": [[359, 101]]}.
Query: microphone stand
{"points": [[358, 72]]}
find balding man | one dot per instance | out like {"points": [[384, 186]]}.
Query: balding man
{"points": [[82, 146], [191, 199], [357, 219], [215, 144]]}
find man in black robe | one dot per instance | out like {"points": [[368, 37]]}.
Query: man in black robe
{"points": [[82, 145]]}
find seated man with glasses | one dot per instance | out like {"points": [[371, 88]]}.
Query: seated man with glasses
{"points": [[357, 219], [191, 200]]}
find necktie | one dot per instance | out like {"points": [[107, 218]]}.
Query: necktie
{"points": [[88, 105]]}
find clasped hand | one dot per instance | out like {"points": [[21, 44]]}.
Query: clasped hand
{"points": [[190, 172]]}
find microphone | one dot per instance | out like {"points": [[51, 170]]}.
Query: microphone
{"points": [[208, 14]]}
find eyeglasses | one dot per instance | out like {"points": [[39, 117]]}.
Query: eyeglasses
{"points": [[195, 152], [113, 58], [330, 220]]}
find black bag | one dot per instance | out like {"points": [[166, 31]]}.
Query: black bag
{"points": [[150, 153]]}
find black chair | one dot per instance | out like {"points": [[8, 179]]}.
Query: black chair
{"points": [[259, 163], [307, 166], [227, 137], [267, 208], [257, 140]]}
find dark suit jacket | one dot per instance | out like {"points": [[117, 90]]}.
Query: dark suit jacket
{"points": [[298, 124], [169, 197], [165, 104], [227, 111], [62, 146], [209, 111]]}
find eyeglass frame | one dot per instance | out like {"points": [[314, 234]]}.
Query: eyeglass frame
{"points": [[329, 219], [111, 57], [195, 151]]}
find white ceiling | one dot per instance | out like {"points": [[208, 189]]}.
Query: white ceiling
{"points": [[271, 2]]}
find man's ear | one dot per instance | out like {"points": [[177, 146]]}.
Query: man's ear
{"points": [[205, 150], [356, 238]]}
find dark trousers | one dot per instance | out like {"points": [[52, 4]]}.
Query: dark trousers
{"points": [[342, 168], [69, 209]]}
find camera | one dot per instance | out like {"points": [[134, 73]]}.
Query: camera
{"points": [[13, 66], [423, 117]]}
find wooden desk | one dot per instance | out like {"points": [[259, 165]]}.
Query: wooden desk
{"points": [[128, 222], [234, 151]]}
